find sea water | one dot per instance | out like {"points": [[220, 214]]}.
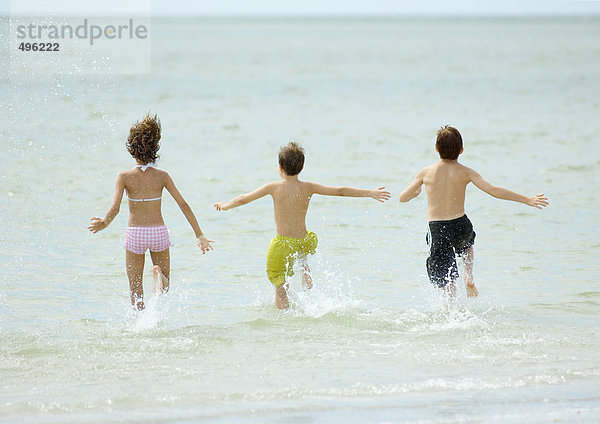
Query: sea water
{"points": [[371, 342]]}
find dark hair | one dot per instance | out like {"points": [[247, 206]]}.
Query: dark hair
{"points": [[291, 158], [143, 140], [449, 143]]}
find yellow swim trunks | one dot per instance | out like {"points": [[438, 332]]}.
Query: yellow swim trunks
{"points": [[282, 253]]}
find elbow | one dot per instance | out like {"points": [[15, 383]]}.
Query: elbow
{"points": [[184, 206], [343, 191], [406, 197], [495, 192]]}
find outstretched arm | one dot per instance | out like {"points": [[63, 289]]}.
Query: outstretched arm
{"points": [[413, 189], [99, 224], [537, 201], [378, 194], [203, 243], [242, 199]]}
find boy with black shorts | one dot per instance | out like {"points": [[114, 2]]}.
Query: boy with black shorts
{"points": [[450, 231]]}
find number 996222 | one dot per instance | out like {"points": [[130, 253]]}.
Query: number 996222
{"points": [[39, 47]]}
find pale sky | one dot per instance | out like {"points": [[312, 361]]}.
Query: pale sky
{"points": [[306, 7]]}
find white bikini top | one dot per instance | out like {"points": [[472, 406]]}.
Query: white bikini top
{"points": [[148, 165], [143, 168], [143, 200]]}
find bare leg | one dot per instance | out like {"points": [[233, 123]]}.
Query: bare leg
{"points": [[307, 281], [134, 263], [450, 295], [161, 271], [281, 297], [468, 258]]}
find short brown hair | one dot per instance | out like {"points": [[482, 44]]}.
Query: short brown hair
{"points": [[291, 158], [449, 143], [143, 140]]}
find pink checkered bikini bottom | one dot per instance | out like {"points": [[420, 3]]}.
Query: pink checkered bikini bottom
{"points": [[140, 239]]}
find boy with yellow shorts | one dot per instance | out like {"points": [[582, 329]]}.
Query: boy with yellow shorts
{"points": [[291, 198], [281, 255]]}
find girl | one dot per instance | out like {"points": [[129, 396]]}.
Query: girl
{"points": [[146, 229]]}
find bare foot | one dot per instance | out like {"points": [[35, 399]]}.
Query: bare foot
{"points": [[281, 298], [471, 290], [161, 283]]}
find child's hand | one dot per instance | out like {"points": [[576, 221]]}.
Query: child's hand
{"points": [[380, 194], [204, 243], [97, 224], [538, 201], [219, 206]]}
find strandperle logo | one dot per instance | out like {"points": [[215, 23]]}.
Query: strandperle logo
{"points": [[129, 30], [80, 45]]}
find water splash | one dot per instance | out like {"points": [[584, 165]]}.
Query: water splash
{"points": [[156, 312], [331, 292]]}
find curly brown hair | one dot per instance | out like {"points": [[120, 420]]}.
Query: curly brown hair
{"points": [[143, 140], [291, 159]]}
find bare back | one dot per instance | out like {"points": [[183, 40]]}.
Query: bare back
{"points": [[147, 184], [291, 198], [445, 182]]}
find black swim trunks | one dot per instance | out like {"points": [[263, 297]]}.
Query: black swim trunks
{"points": [[446, 239]]}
